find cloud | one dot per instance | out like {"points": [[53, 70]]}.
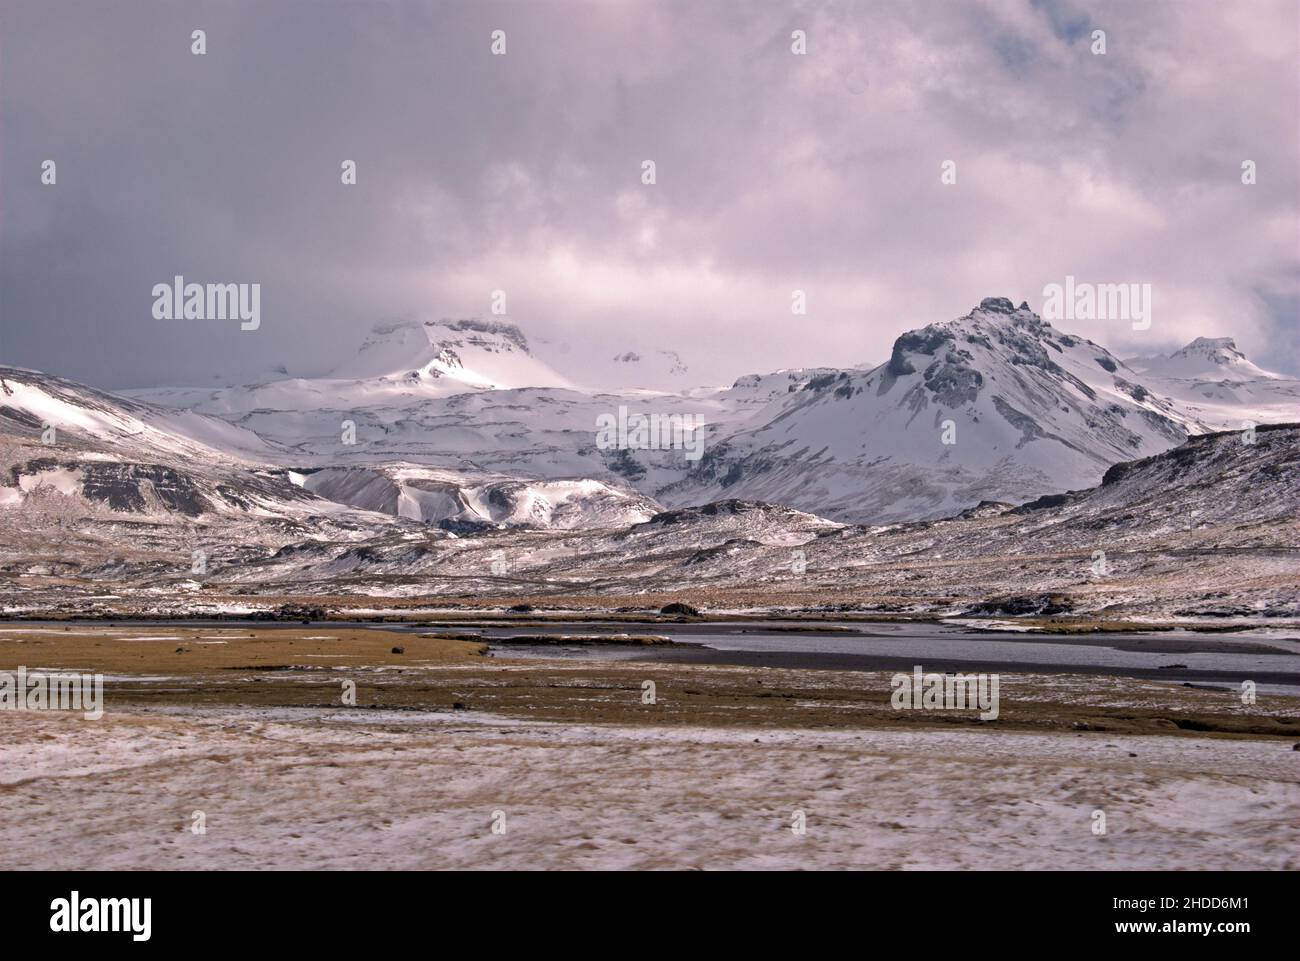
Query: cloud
{"points": [[775, 172]]}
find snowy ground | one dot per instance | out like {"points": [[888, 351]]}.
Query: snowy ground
{"points": [[313, 788]]}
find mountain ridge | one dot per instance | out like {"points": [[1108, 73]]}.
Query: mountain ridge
{"points": [[995, 405]]}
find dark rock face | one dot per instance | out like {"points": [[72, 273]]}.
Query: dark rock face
{"points": [[1025, 347], [466, 528], [1136, 391], [123, 487], [724, 508], [305, 550], [826, 380], [1045, 502], [20, 417], [500, 328], [998, 305], [622, 463], [684, 610], [729, 507], [289, 612], [362, 555], [726, 549], [1117, 472], [1024, 605], [503, 496], [952, 382], [927, 340], [719, 464]]}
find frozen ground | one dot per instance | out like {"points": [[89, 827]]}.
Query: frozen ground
{"points": [[311, 788]]}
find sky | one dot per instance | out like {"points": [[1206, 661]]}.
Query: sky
{"points": [[523, 172]]}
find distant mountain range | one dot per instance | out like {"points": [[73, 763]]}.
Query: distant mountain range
{"points": [[995, 405], [457, 423], [988, 451]]}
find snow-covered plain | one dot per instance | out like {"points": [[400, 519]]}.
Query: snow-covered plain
{"points": [[316, 788]]}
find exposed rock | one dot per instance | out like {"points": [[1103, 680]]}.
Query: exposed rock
{"points": [[679, 609], [1023, 605]]}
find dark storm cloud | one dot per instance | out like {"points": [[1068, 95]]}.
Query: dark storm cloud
{"points": [[522, 172]]}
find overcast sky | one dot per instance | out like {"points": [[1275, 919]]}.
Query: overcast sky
{"points": [[522, 172]]}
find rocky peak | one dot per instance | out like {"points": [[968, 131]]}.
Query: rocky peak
{"points": [[1219, 350]]}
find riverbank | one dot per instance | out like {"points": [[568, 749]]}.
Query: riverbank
{"points": [[390, 670]]}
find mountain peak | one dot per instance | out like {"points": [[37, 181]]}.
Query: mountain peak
{"points": [[398, 348], [1217, 350], [999, 305], [501, 329], [1212, 343], [1018, 330], [435, 331], [470, 353], [1205, 358]]}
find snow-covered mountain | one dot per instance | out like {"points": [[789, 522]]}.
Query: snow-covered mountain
{"points": [[33, 399], [457, 423], [398, 364], [124, 473], [1214, 382], [454, 355], [465, 397], [109, 454], [1205, 358], [996, 405]]}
